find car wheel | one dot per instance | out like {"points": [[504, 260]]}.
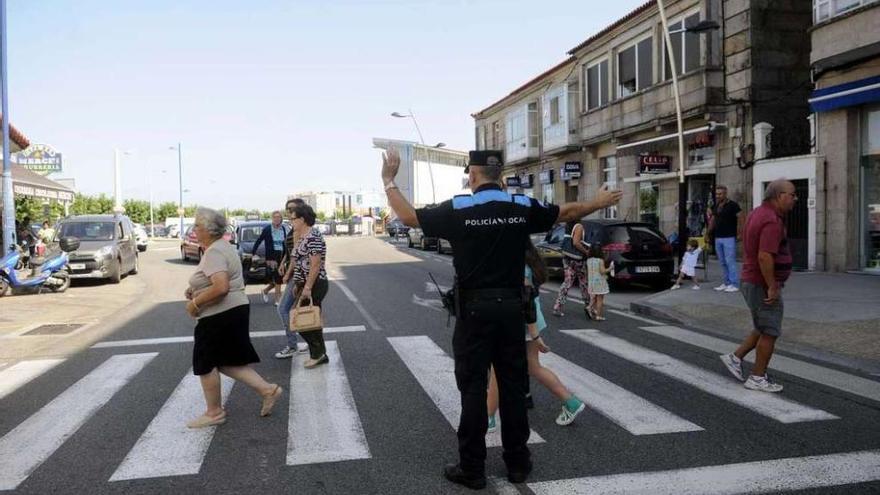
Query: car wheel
{"points": [[142, 248], [116, 276], [134, 270], [660, 284], [183, 254], [65, 284]]}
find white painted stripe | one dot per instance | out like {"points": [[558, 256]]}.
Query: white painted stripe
{"points": [[631, 412], [323, 424], [853, 384], [357, 304], [435, 372], [179, 340], [501, 486], [20, 373], [773, 476], [27, 446], [635, 317], [770, 405], [167, 447]]}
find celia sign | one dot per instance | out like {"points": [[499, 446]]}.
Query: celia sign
{"points": [[654, 164]]}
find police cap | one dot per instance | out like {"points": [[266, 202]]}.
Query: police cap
{"points": [[484, 158]]}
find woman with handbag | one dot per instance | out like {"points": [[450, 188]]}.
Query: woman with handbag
{"points": [[310, 281], [574, 252], [217, 300]]}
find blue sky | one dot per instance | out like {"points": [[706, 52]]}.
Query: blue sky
{"points": [[269, 97]]}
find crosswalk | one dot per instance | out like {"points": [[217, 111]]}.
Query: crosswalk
{"points": [[324, 423]]}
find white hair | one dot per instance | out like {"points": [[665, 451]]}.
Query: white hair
{"points": [[212, 221], [775, 188]]}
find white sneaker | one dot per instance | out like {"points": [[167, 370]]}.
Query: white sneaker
{"points": [[731, 288], [721, 287], [696, 287], [302, 348], [285, 353], [734, 365], [265, 297], [762, 384], [566, 417], [675, 287]]}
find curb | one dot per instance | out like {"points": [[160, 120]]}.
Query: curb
{"points": [[866, 366]]}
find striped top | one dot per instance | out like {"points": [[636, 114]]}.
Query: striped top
{"points": [[312, 244]]}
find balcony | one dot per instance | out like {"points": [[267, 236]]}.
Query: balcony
{"points": [[645, 109], [560, 121], [523, 141]]}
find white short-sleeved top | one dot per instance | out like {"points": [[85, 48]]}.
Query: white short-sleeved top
{"points": [[219, 257]]}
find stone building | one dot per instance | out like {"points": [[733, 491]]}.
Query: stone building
{"points": [[846, 69], [613, 96]]}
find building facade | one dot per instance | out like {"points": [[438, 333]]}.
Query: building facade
{"points": [[428, 174], [332, 203], [748, 77], [845, 62]]}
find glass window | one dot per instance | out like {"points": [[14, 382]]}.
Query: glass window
{"points": [[547, 193], [554, 110], [649, 193], [687, 55], [826, 9], [635, 68], [597, 85], [88, 231], [534, 131], [609, 178], [871, 190]]}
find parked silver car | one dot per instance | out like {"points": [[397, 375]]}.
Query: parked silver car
{"points": [[108, 248]]}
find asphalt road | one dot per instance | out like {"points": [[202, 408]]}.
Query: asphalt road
{"points": [[663, 415]]}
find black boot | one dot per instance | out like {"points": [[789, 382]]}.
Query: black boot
{"points": [[519, 475], [455, 474]]}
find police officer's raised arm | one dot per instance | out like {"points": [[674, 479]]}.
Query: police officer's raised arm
{"points": [[570, 212], [401, 207]]}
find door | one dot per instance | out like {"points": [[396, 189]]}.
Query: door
{"points": [[796, 222]]}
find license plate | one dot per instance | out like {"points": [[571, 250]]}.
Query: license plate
{"points": [[77, 266], [647, 269]]}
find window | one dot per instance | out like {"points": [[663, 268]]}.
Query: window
{"points": [[534, 131], [687, 52], [635, 68], [481, 137], [609, 178], [649, 193], [554, 110], [496, 129], [826, 9], [597, 84]]}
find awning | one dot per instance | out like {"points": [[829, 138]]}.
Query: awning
{"points": [[670, 175], [648, 145], [31, 184], [846, 95]]}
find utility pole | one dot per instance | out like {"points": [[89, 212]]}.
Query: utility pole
{"points": [[8, 201]]}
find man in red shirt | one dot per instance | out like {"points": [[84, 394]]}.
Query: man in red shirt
{"points": [[766, 267]]}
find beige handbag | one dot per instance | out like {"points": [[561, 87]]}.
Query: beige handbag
{"points": [[305, 318]]}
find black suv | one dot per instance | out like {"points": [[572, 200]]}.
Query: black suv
{"points": [[639, 251]]}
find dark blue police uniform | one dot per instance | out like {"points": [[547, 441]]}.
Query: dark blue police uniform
{"points": [[488, 232]]}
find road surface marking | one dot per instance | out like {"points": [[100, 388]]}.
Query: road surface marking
{"points": [[434, 304], [635, 317], [323, 424], [357, 304], [771, 405], [179, 340], [435, 372], [829, 377], [167, 447], [629, 411], [773, 476], [23, 449], [18, 374]]}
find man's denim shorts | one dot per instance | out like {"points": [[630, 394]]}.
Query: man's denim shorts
{"points": [[767, 318]]}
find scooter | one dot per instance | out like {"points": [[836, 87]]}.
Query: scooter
{"points": [[51, 271]]}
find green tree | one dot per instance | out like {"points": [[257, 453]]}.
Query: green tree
{"points": [[138, 210], [165, 210], [321, 216]]}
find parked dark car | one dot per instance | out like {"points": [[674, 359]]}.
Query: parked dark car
{"points": [[107, 249], [416, 237], [443, 246], [396, 228], [246, 234], [189, 243], [640, 252], [549, 251]]}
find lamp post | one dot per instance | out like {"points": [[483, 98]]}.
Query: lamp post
{"points": [[152, 222], [117, 181], [8, 201], [180, 182], [422, 139], [670, 52]]}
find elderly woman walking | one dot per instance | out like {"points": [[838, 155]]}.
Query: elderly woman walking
{"points": [[309, 275], [222, 343]]}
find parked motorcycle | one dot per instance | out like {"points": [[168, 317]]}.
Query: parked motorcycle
{"points": [[51, 271]]}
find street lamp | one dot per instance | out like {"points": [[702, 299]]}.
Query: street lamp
{"points": [[180, 182], [152, 222], [701, 27], [117, 181], [422, 139]]}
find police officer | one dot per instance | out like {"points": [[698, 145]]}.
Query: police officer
{"points": [[488, 232]]}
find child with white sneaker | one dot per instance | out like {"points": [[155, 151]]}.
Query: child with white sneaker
{"points": [[689, 265]]}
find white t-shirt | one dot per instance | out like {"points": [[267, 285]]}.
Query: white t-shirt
{"points": [[689, 262], [219, 257]]}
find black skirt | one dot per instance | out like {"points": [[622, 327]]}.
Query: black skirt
{"points": [[223, 340]]}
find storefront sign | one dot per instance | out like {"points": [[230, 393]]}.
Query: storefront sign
{"points": [[513, 182], [40, 158], [654, 164], [571, 170], [546, 176], [39, 192], [526, 181]]}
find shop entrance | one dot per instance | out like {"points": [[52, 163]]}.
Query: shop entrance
{"points": [[571, 193], [797, 225]]}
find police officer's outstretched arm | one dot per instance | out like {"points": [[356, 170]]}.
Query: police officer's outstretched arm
{"points": [[570, 212], [401, 207]]}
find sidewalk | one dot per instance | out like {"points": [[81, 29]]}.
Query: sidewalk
{"points": [[829, 316]]}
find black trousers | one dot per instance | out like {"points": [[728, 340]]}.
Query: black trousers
{"points": [[501, 343], [315, 338]]}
